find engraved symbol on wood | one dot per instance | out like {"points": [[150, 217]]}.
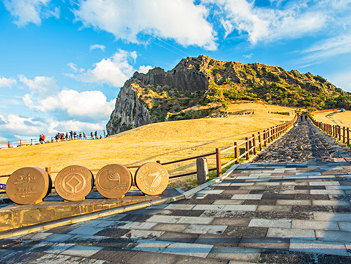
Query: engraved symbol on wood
{"points": [[74, 182], [28, 185], [151, 178], [113, 181]]}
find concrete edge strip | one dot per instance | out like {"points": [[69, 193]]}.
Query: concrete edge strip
{"points": [[108, 212]]}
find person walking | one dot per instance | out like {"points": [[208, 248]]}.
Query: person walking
{"points": [[96, 135], [85, 135]]}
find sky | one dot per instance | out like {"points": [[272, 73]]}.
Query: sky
{"points": [[62, 62]]}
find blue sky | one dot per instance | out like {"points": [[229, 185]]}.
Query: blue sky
{"points": [[62, 62]]}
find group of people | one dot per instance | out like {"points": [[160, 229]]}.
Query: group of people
{"points": [[71, 136]]}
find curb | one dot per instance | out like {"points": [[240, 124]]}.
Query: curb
{"points": [[108, 212]]}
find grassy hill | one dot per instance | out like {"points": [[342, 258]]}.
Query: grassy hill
{"points": [[164, 141]]}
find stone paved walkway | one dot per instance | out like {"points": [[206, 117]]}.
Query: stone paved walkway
{"points": [[261, 213], [304, 143]]}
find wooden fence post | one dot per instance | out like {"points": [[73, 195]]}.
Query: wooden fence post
{"points": [[254, 144], [247, 149], [259, 140], [339, 128], [218, 162], [236, 152], [343, 134], [264, 138], [348, 136]]}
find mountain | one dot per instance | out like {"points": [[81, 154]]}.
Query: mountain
{"points": [[200, 87]]}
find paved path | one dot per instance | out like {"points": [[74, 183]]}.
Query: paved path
{"points": [[304, 143], [261, 213]]}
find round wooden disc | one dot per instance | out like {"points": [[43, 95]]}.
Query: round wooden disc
{"points": [[113, 181], [151, 178], [74, 182], [28, 185]]}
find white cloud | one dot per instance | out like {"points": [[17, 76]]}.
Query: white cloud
{"points": [[30, 11], [113, 71], [15, 124], [144, 69], [248, 56], [57, 126], [91, 104], [97, 46], [74, 68], [180, 20], [7, 82], [41, 85], [267, 24]]}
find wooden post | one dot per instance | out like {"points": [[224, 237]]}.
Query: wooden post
{"points": [[201, 170], [268, 135], [247, 148], [48, 170], [343, 134], [218, 162], [264, 138], [254, 144], [259, 140], [333, 131], [339, 129], [348, 136], [236, 152]]}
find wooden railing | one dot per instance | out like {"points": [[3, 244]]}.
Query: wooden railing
{"points": [[248, 147], [336, 131]]}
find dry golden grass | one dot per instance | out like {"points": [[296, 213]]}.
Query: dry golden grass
{"points": [[161, 141], [335, 118]]}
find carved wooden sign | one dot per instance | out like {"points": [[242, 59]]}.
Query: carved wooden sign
{"points": [[151, 178], [28, 185], [113, 181], [74, 182]]}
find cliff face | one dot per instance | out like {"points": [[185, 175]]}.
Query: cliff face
{"points": [[199, 87]]}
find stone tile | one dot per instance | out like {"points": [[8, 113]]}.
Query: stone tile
{"points": [[231, 221], [275, 208], [170, 227], [334, 192], [324, 183], [242, 184], [194, 250], [291, 233], [283, 223], [333, 236], [239, 231], [225, 202], [236, 254], [164, 219], [212, 207], [83, 230], [180, 207], [148, 258], [247, 196], [187, 212], [218, 240], [178, 237], [253, 187], [236, 192], [271, 243], [345, 226], [240, 208], [341, 187], [306, 224], [317, 247], [321, 216], [210, 192], [293, 202], [149, 234], [330, 203], [82, 251], [295, 192], [205, 229], [58, 248], [57, 238], [195, 220], [151, 246], [138, 225]]}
